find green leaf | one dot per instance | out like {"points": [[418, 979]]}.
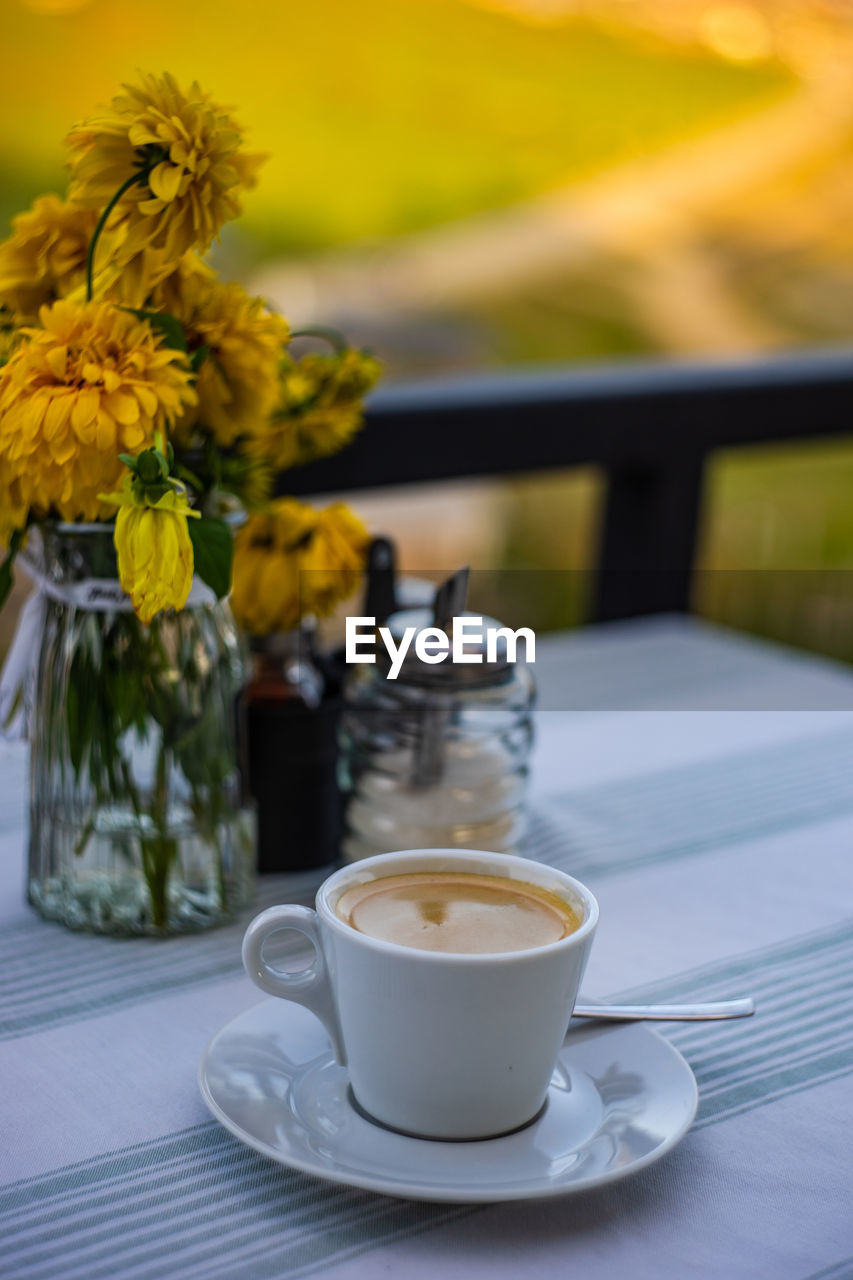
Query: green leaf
{"points": [[212, 551], [154, 492], [198, 357], [148, 466], [189, 477], [167, 326], [7, 578], [81, 711]]}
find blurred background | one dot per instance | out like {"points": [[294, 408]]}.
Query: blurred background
{"points": [[470, 184]]}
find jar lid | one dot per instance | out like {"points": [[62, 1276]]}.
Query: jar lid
{"points": [[483, 647]]}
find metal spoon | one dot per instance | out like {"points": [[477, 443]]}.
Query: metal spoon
{"points": [[742, 1008]]}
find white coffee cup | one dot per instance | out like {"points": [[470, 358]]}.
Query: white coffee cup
{"points": [[436, 1044]]}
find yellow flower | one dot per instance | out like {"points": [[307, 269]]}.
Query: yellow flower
{"points": [[13, 516], [265, 579], [155, 554], [237, 384], [91, 383], [10, 334], [190, 149], [45, 257], [292, 561], [320, 408], [333, 560], [249, 479], [265, 589]]}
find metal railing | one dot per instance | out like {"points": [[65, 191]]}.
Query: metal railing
{"points": [[650, 427]]}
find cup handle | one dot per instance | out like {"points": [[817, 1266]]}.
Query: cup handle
{"points": [[310, 986]]}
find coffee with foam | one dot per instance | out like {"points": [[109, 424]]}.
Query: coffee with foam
{"points": [[459, 912]]}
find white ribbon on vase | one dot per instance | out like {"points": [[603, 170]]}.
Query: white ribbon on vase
{"points": [[94, 595]]}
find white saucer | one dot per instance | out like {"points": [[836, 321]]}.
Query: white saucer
{"points": [[620, 1098]]}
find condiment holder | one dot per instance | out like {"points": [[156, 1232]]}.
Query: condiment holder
{"points": [[436, 757]]}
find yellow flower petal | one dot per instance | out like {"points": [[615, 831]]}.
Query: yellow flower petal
{"points": [[61, 435], [186, 199], [237, 385], [124, 408], [320, 406], [85, 408], [56, 360], [45, 257], [165, 181], [292, 560]]}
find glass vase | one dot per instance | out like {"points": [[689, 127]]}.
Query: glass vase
{"points": [[136, 822]]}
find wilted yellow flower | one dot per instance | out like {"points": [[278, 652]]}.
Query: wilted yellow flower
{"points": [[237, 384], [91, 383], [265, 589], [292, 561], [320, 408], [45, 256], [189, 150], [155, 554], [265, 577], [333, 560]]}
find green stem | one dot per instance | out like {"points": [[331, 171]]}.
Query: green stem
{"points": [[207, 810], [221, 882], [163, 849], [132, 181], [130, 788], [334, 337], [156, 854], [85, 837]]}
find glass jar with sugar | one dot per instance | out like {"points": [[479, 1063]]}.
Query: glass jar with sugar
{"points": [[436, 736]]}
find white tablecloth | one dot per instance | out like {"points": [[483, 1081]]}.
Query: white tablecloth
{"points": [[703, 787]]}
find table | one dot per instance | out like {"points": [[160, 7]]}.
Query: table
{"points": [[702, 784]]}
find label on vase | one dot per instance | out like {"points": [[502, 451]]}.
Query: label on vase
{"points": [[105, 595]]}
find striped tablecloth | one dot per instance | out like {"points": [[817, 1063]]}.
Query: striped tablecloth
{"points": [[702, 785]]}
